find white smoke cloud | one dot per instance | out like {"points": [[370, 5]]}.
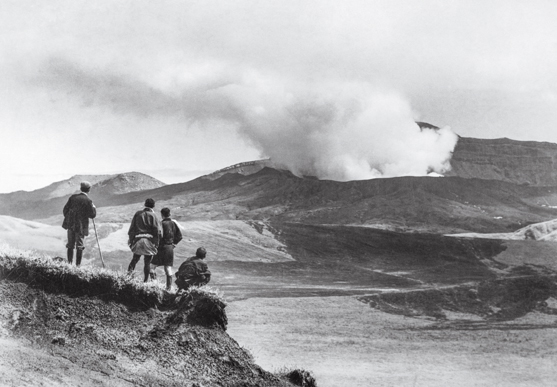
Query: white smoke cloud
{"points": [[338, 131]]}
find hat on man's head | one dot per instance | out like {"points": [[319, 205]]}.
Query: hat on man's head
{"points": [[201, 252], [150, 203], [85, 186]]}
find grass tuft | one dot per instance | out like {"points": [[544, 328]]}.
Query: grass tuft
{"points": [[59, 277]]}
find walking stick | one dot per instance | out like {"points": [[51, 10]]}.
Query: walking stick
{"points": [[96, 236]]}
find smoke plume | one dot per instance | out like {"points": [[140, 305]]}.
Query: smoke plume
{"points": [[339, 131]]}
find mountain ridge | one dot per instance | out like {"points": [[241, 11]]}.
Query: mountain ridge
{"points": [[25, 203], [498, 199]]}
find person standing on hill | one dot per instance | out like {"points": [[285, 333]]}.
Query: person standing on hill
{"points": [[77, 212], [144, 234], [171, 236]]}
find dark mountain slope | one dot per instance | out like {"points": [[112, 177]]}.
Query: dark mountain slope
{"points": [[345, 260], [433, 204]]}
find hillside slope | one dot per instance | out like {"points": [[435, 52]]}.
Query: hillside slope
{"points": [[135, 333], [29, 235]]}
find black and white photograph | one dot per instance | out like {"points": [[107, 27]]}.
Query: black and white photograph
{"points": [[204, 193]]}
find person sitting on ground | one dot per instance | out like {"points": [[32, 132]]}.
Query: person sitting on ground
{"points": [[77, 212], [144, 234], [193, 271], [171, 236]]}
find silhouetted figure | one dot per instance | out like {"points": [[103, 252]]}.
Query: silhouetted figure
{"points": [[171, 236], [77, 212], [194, 271], [144, 235]]}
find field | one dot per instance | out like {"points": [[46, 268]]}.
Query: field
{"points": [[309, 314], [347, 343]]}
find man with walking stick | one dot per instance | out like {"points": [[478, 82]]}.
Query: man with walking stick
{"points": [[77, 212]]}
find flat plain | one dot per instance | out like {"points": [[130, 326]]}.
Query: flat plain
{"points": [[344, 342]]}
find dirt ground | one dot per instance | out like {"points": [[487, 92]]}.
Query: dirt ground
{"points": [[25, 365], [345, 342]]}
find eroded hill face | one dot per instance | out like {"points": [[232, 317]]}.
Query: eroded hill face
{"points": [[520, 162]]}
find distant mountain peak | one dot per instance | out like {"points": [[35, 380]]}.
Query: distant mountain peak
{"points": [[425, 125], [48, 200], [127, 182]]}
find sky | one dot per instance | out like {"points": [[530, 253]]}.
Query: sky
{"points": [[177, 89]]}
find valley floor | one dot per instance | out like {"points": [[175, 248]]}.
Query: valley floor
{"points": [[347, 343]]}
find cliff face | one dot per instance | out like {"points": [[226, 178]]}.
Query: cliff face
{"points": [[519, 162]]}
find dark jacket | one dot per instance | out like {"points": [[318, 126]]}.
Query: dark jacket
{"points": [[145, 222], [171, 234], [77, 212], [194, 266], [193, 271]]}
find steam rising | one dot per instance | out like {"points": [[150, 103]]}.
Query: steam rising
{"points": [[340, 131]]}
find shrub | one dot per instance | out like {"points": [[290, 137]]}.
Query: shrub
{"points": [[299, 377]]}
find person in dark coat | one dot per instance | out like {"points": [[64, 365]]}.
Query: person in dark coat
{"points": [[171, 236], [77, 212], [143, 237], [193, 271]]}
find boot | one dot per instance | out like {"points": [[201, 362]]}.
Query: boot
{"points": [[147, 267], [168, 283], [147, 274], [78, 256], [70, 256]]}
